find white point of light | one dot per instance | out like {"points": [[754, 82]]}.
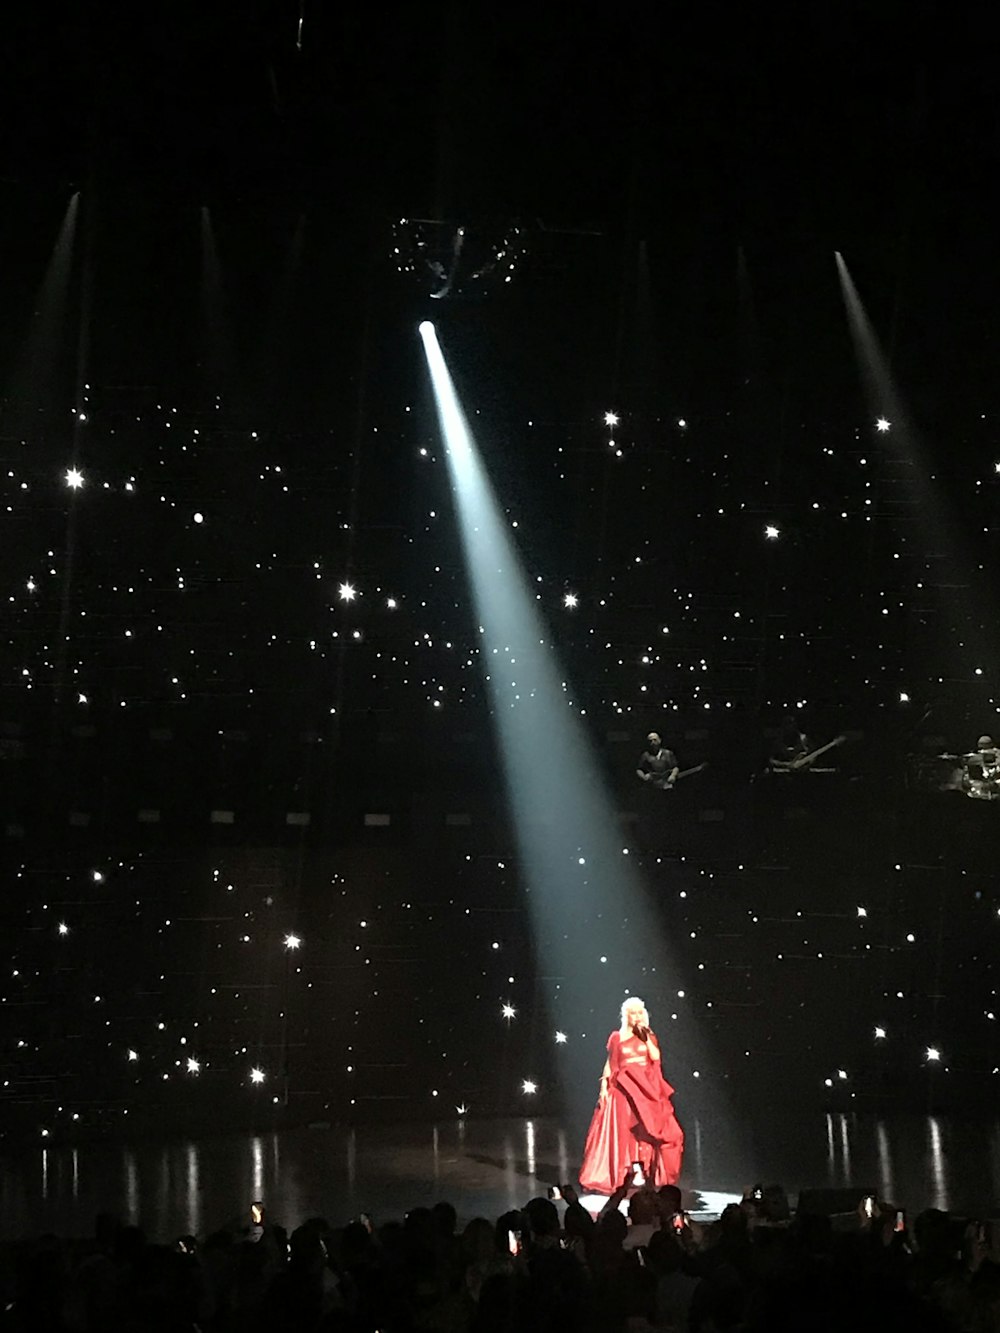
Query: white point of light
{"points": [[560, 1038], [193, 1065], [133, 1055], [529, 1086], [904, 698], [292, 941], [199, 518], [97, 876], [862, 911], [74, 478], [508, 1011], [611, 418], [256, 1076], [63, 928], [570, 601], [771, 532], [882, 425], [347, 592], [879, 1034], [933, 1054]]}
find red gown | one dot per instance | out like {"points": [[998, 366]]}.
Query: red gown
{"points": [[635, 1123]]}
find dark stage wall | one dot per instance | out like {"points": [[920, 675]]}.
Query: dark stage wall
{"points": [[786, 906]]}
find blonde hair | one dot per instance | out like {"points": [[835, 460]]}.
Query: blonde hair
{"points": [[628, 1004]]}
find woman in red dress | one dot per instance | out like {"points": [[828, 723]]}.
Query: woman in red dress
{"points": [[634, 1119]]}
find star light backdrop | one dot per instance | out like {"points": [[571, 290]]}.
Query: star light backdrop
{"points": [[258, 857], [257, 846]]}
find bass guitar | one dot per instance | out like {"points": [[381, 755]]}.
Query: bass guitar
{"points": [[662, 781], [804, 760]]}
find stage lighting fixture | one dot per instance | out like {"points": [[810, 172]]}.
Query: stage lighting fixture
{"points": [[458, 259]]}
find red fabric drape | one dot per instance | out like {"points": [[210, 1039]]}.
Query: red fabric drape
{"points": [[636, 1123]]}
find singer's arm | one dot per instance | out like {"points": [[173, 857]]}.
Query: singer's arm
{"points": [[652, 1046], [610, 1064], [605, 1079]]}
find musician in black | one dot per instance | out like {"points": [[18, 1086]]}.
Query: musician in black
{"points": [[657, 764], [981, 777], [791, 743]]}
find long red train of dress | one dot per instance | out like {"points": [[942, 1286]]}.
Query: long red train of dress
{"points": [[635, 1123]]}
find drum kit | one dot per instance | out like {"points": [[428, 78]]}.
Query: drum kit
{"points": [[977, 774]]}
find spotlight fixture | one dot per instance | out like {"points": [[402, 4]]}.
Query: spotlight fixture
{"points": [[451, 259]]}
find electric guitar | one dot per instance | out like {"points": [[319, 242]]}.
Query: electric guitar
{"points": [[660, 779], [803, 760]]}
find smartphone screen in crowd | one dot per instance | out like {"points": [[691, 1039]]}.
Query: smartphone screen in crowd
{"points": [[514, 1243]]}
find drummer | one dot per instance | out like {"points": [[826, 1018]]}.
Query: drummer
{"points": [[982, 770]]}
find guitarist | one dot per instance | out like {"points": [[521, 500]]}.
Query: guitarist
{"points": [[658, 765], [792, 745], [793, 752]]}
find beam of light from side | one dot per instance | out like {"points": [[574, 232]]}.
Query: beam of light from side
{"points": [[873, 365], [62, 675], [885, 406], [595, 938], [909, 474], [35, 381]]}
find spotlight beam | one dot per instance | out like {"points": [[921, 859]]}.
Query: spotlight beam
{"points": [[900, 441], [595, 939]]}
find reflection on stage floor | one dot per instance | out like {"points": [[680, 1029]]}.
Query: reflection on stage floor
{"points": [[484, 1167]]}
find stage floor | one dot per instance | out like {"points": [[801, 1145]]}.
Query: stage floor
{"points": [[484, 1167]]}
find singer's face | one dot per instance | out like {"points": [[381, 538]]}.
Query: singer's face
{"points": [[635, 1016]]}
